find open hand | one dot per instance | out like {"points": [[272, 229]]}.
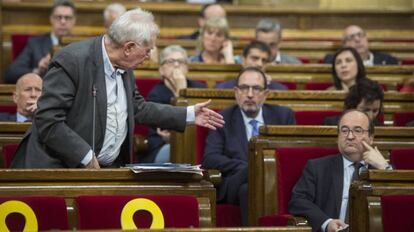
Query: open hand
{"points": [[206, 117]]}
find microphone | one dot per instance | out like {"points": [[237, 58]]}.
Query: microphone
{"points": [[94, 90]]}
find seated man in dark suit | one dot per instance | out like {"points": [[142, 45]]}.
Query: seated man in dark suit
{"points": [[226, 148], [355, 37], [255, 54], [28, 90], [37, 52], [367, 96], [173, 69], [207, 11], [321, 194]]}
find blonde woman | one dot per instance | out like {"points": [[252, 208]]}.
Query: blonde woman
{"points": [[215, 45]]}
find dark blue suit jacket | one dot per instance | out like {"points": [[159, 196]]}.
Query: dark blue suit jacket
{"points": [[231, 83], [161, 94], [35, 49], [317, 195], [379, 59], [8, 117], [227, 148]]}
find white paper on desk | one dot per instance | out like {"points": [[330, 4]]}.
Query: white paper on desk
{"points": [[165, 167]]}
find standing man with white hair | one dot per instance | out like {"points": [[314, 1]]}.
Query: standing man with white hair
{"points": [[111, 12], [86, 115]]}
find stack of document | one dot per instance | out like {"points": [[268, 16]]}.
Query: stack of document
{"points": [[165, 167]]}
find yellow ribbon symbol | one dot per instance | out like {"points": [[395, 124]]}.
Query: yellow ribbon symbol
{"points": [[13, 206], [127, 214]]}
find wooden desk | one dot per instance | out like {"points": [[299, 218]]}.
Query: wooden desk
{"points": [[70, 183], [364, 195], [263, 163]]}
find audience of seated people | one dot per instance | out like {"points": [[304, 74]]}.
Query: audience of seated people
{"points": [[226, 148], [173, 70], [28, 90], [354, 36], [215, 45], [255, 54], [270, 33], [36, 55], [347, 68], [207, 11], [321, 195], [366, 96], [111, 12]]}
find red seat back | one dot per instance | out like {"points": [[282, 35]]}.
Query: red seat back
{"points": [[104, 212], [402, 118], [18, 43], [402, 158], [317, 85], [201, 136], [50, 212], [289, 165], [397, 212], [289, 85], [313, 117], [8, 108], [228, 215], [8, 153], [145, 85]]}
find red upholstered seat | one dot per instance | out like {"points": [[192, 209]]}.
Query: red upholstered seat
{"points": [[289, 85], [313, 117], [8, 108], [50, 212], [289, 165], [402, 118], [18, 43], [402, 158], [228, 215], [8, 153], [104, 212], [317, 85], [397, 212], [145, 85]]}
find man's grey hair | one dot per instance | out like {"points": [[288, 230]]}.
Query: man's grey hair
{"points": [[170, 49], [267, 25], [114, 7], [135, 25]]}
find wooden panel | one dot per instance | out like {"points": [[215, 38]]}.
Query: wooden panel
{"points": [[70, 183]]}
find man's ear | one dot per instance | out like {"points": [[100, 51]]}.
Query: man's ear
{"points": [[128, 47], [15, 97]]}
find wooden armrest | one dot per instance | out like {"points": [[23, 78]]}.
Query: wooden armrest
{"points": [[214, 176], [297, 221], [140, 145]]}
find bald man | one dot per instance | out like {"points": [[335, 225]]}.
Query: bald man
{"points": [[207, 11], [28, 91], [355, 37]]}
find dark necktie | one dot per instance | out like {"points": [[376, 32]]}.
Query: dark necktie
{"points": [[255, 129], [355, 176]]}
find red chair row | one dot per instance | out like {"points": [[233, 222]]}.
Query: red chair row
{"points": [[41, 213]]}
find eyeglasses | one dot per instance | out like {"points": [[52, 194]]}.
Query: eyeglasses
{"points": [[65, 17], [174, 61], [357, 131], [246, 88], [354, 36]]}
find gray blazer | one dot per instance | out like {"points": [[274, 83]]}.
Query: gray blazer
{"points": [[35, 49], [61, 134]]}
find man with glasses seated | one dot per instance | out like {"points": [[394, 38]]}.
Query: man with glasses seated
{"points": [[36, 54], [355, 37], [173, 69], [321, 194], [226, 149]]}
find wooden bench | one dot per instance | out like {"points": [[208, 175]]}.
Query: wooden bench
{"points": [[312, 51], [365, 205], [183, 145], [70, 183], [263, 163], [390, 76]]}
